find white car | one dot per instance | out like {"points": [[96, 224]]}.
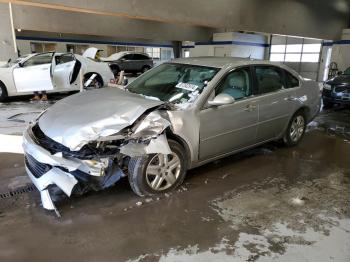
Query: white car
{"points": [[34, 73]]}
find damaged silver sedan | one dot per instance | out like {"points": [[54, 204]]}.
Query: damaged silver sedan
{"points": [[175, 117]]}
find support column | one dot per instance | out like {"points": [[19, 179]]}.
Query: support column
{"points": [[177, 46], [7, 49]]}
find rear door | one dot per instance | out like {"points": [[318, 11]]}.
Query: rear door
{"points": [[64, 71], [34, 74], [276, 101]]}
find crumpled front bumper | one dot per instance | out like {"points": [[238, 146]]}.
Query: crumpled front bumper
{"points": [[54, 176]]}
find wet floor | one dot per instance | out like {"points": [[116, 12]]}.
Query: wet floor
{"points": [[267, 204]]}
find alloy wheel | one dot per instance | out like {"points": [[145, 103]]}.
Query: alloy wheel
{"points": [[163, 171], [297, 128]]}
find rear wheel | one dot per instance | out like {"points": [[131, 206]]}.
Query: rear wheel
{"points": [[145, 69], [3, 92], [296, 129], [158, 173]]}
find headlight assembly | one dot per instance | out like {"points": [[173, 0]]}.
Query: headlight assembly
{"points": [[327, 87]]}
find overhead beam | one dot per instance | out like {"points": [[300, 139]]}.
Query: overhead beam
{"points": [[104, 13]]}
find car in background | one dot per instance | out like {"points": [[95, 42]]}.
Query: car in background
{"points": [[130, 62], [34, 73], [178, 116], [337, 90]]}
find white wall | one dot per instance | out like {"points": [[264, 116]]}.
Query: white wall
{"points": [[341, 51], [240, 45]]}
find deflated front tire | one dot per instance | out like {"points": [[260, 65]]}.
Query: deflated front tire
{"points": [[158, 173]]}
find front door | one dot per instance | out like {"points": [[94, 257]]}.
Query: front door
{"points": [[34, 74], [226, 128], [127, 62]]}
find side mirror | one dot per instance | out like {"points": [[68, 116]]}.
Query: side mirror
{"points": [[340, 73], [221, 99], [20, 64]]}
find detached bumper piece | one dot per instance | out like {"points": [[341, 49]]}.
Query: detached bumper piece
{"points": [[43, 175]]}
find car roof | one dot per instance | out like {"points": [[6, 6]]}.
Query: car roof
{"points": [[221, 62], [131, 52]]}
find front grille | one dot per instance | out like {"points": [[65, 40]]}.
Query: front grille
{"points": [[342, 89], [35, 167]]}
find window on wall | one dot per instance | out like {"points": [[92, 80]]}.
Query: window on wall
{"points": [[76, 49], [293, 49], [153, 52], [166, 54]]}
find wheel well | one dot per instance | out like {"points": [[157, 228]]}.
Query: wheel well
{"points": [[98, 76], [306, 112], [2, 83], [146, 66], [182, 142]]}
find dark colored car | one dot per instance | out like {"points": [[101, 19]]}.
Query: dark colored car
{"points": [[130, 62], [337, 90]]}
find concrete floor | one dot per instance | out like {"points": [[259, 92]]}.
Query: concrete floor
{"points": [[267, 204]]}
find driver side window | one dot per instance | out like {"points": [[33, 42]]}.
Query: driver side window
{"points": [[236, 84], [38, 60]]}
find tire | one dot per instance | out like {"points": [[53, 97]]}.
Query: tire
{"points": [[327, 105], [145, 69], [295, 130], [145, 184], [97, 83], [3, 92]]}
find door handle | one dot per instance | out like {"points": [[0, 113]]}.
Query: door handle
{"points": [[250, 108], [44, 69]]}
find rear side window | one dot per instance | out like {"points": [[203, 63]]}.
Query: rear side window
{"points": [[269, 79], [291, 80], [140, 57]]}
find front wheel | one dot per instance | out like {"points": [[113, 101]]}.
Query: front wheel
{"points": [[296, 129], [158, 173]]}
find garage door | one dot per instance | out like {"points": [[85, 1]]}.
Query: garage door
{"points": [[301, 54]]}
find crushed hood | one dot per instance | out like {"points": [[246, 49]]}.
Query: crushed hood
{"points": [[87, 116]]}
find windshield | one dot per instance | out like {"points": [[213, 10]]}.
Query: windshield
{"points": [[175, 83], [347, 71], [16, 61]]}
